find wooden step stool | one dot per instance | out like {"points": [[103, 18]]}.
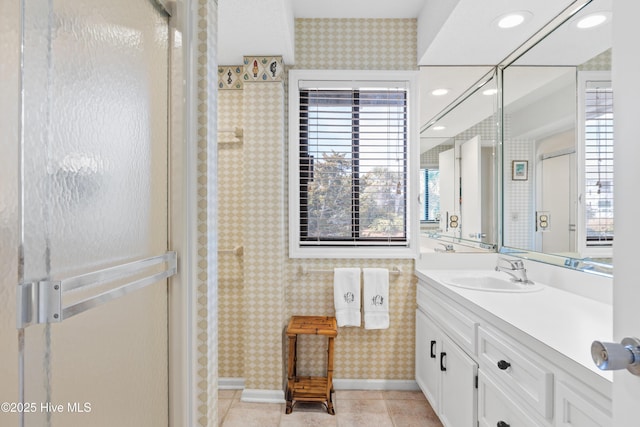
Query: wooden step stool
{"points": [[310, 389]]}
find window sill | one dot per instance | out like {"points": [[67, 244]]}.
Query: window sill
{"points": [[354, 253]]}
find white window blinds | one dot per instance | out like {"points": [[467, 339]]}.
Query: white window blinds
{"points": [[352, 165], [599, 163]]}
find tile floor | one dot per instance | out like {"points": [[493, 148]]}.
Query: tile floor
{"points": [[354, 408]]}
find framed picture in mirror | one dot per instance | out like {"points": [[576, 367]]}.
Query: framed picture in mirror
{"points": [[520, 170]]}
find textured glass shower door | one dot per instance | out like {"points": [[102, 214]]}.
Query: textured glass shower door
{"points": [[93, 196]]}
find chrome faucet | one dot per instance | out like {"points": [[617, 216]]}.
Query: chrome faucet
{"points": [[448, 247], [515, 269]]}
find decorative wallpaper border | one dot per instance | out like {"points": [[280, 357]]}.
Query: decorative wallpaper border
{"points": [[263, 68], [230, 77]]}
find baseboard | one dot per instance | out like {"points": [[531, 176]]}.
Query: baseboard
{"points": [[277, 396], [262, 396], [364, 384], [230, 383]]}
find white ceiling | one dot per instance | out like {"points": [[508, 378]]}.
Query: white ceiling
{"points": [[460, 33], [452, 32], [470, 36], [357, 8]]}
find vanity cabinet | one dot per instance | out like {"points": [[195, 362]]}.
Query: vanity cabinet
{"points": [[496, 408], [428, 343], [580, 407], [523, 375], [496, 375], [445, 373]]}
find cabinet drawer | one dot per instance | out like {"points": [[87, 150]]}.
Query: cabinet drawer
{"points": [[511, 364], [458, 324], [495, 408], [574, 409]]}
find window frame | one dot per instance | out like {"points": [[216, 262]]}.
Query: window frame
{"points": [[424, 194], [604, 250], [332, 79]]}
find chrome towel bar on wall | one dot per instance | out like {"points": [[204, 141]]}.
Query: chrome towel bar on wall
{"points": [[396, 271], [238, 250]]}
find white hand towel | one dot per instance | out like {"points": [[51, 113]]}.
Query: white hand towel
{"points": [[346, 296], [376, 298]]}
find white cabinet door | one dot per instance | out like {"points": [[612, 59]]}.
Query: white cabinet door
{"points": [[458, 394], [495, 408], [448, 205], [428, 345], [574, 409], [471, 191]]}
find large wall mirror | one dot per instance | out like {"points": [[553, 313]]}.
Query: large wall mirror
{"points": [[458, 165], [558, 144]]}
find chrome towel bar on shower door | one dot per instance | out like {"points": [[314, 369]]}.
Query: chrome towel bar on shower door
{"points": [[42, 301]]}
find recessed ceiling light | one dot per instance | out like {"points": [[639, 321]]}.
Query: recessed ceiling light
{"points": [[438, 128], [490, 92], [439, 92], [592, 20], [513, 19]]}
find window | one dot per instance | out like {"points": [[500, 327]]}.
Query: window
{"points": [[597, 165], [349, 166], [430, 186]]}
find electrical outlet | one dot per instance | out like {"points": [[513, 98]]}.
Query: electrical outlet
{"points": [[543, 221]]}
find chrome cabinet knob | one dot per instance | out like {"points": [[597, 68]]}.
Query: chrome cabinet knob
{"points": [[610, 356]]}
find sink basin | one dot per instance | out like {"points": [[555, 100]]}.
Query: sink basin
{"points": [[489, 282]]}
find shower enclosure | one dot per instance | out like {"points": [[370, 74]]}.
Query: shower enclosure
{"points": [[84, 223]]}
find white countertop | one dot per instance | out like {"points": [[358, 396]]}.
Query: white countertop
{"points": [[566, 322]]}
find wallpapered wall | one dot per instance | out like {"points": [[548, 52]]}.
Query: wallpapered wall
{"points": [[206, 313], [518, 195], [260, 289]]}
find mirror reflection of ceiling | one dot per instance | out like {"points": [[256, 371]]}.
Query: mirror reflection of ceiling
{"points": [[567, 46], [473, 110]]}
